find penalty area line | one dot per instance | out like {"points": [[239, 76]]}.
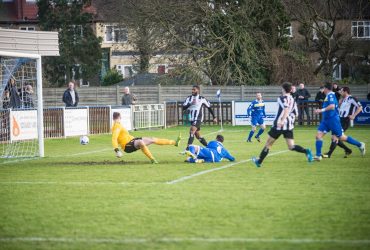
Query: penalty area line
{"points": [[180, 240], [216, 169]]}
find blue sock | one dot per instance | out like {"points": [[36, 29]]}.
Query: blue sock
{"points": [[250, 135], [318, 147], [353, 141], [260, 132]]}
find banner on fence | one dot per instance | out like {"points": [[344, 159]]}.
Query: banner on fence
{"points": [[240, 116], [23, 125], [364, 117], [126, 119], [76, 122]]}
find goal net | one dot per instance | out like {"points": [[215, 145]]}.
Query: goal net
{"points": [[20, 106]]}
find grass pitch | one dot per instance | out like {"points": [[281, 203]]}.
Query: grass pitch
{"points": [[82, 197]]}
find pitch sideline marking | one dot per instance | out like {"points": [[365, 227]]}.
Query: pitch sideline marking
{"points": [[179, 240], [77, 183], [57, 156], [216, 169]]}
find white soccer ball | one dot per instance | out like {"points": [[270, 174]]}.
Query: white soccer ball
{"points": [[84, 140]]}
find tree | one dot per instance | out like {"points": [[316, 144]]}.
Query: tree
{"points": [[323, 34], [79, 48], [229, 41]]}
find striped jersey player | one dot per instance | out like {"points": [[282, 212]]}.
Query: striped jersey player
{"points": [[283, 125], [194, 105]]}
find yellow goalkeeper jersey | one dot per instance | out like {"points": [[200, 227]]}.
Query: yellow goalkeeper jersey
{"points": [[120, 135]]}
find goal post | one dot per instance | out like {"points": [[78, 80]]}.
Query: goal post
{"points": [[24, 70]]}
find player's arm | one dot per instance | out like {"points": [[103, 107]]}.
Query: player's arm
{"points": [[186, 104], [208, 105], [331, 105], [229, 156], [250, 108], [358, 106], [115, 134]]}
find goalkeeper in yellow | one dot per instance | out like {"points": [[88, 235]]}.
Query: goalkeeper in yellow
{"points": [[129, 144]]}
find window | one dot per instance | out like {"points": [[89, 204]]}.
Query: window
{"points": [[115, 34], [29, 28], [321, 27], [162, 69], [337, 72], [126, 70], [287, 31], [30, 1], [361, 29]]}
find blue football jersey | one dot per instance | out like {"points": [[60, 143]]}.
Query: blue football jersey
{"points": [[256, 109], [330, 99], [219, 151]]}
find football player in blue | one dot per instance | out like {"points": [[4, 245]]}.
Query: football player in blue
{"points": [[331, 122], [214, 152], [256, 111]]}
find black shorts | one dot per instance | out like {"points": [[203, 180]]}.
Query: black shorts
{"points": [[130, 146], [345, 122], [274, 133], [196, 124]]}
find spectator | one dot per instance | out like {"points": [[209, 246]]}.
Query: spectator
{"points": [[336, 91], [302, 97], [27, 97], [368, 96], [294, 93], [15, 100], [6, 100], [128, 98], [70, 96], [320, 96]]}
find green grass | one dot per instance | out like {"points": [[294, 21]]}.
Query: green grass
{"points": [[82, 197]]}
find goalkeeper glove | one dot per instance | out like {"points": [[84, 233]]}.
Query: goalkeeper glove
{"points": [[118, 153]]}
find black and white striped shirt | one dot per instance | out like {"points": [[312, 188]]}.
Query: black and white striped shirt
{"points": [[286, 101], [349, 106], [194, 104]]}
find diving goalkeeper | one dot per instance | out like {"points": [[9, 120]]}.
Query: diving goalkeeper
{"points": [[129, 144]]}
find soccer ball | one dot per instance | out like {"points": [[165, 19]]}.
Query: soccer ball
{"points": [[84, 140]]}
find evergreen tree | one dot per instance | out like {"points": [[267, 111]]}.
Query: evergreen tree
{"points": [[80, 50]]}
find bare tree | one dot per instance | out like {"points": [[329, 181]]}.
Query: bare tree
{"points": [[325, 33]]}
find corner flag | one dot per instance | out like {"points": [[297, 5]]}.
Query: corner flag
{"points": [[218, 93]]}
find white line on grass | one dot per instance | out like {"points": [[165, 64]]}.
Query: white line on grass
{"points": [[56, 156], [75, 183], [215, 169], [179, 240]]}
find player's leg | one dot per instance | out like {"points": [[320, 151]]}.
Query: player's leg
{"points": [[253, 129], [200, 138], [321, 131], [262, 129], [192, 131], [199, 154], [292, 146], [160, 141], [338, 132], [273, 135], [345, 122], [142, 143], [353, 141], [333, 145]]}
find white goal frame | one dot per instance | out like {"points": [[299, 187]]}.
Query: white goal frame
{"points": [[40, 106]]}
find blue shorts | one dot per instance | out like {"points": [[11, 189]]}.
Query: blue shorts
{"points": [[257, 120], [332, 125]]}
